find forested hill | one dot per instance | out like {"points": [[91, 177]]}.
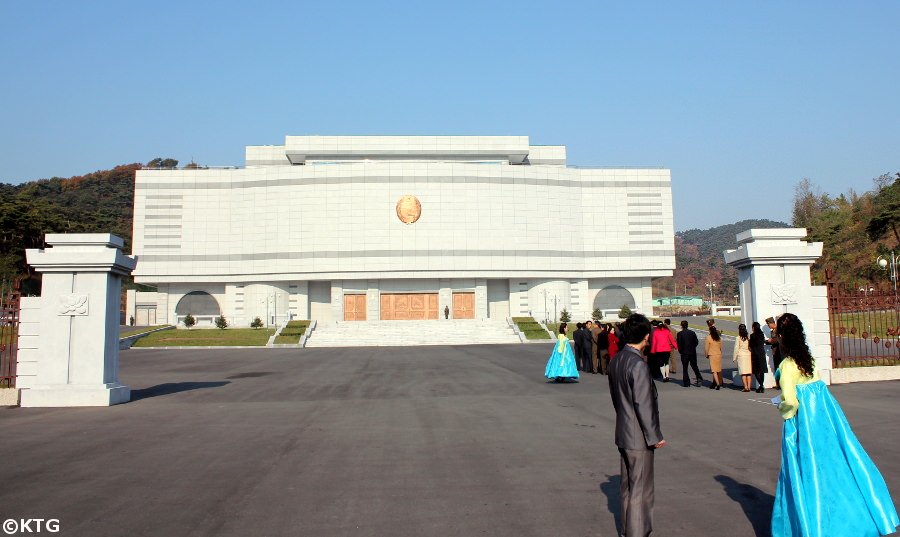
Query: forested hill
{"points": [[699, 260], [99, 202]]}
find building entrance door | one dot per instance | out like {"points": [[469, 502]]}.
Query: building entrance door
{"points": [[145, 316], [409, 306], [463, 305], [354, 307]]}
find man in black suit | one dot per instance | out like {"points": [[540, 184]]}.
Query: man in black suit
{"points": [[576, 339], [638, 434], [687, 348], [587, 347]]}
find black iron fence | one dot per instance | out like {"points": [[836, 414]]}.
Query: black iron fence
{"points": [[9, 334], [865, 324]]}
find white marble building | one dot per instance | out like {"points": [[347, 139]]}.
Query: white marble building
{"points": [[313, 229]]}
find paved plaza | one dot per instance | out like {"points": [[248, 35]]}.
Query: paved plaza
{"points": [[411, 441]]}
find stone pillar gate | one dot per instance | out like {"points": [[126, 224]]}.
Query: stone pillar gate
{"points": [[774, 278], [69, 336]]}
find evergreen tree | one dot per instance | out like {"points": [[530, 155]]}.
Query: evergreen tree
{"points": [[624, 312], [221, 322]]}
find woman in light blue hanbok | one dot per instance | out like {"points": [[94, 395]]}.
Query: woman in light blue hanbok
{"points": [[828, 486], [561, 365]]}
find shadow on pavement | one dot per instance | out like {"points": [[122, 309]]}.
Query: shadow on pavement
{"points": [[757, 505], [173, 387], [610, 489]]}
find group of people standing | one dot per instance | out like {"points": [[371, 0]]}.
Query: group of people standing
{"points": [[594, 343], [827, 484]]}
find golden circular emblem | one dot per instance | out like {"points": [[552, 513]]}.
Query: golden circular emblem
{"points": [[409, 209]]}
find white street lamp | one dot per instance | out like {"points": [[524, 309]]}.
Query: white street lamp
{"points": [[711, 286], [892, 264]]}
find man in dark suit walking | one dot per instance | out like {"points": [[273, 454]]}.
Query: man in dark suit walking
{"points": [[687, 348], [638, 434]]}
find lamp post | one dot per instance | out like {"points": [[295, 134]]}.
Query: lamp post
{"points": [[545, 307], [710, 286], [892, 265], [274, 297]]}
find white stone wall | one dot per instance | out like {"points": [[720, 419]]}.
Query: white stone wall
{"points": [[310, 231], [295, 223]]}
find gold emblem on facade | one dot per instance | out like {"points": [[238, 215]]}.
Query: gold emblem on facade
{"points": [[409, 209]]}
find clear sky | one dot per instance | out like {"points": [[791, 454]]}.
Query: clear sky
{"points": [[740, 99]]}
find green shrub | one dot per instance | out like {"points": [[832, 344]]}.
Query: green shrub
{"points": [[596, 314], [564, 316], [189, 320], [221, 323], [257, 323], [624, 312]]}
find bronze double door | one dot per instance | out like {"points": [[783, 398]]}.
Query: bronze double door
{"points": [[463, 305], [354, 307], [409, 306]]}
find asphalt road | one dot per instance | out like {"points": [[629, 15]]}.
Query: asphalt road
{"points": [[444, 441]]}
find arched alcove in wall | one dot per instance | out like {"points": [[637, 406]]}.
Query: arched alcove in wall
{"points": [[198, 303], [612, 297]]}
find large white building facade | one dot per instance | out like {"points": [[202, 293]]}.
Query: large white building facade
{"points": [[399, 227]]}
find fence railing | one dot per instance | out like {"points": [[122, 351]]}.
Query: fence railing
{"points": [[865, 324], [9, 334]]}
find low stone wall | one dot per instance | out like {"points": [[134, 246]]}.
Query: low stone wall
{"points": [[865, 374], [9, 397]]}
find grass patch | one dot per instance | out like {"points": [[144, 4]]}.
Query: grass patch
{"points": [[873, 323], [207, 337], [142, 330], [531, 328], [291, 333]]}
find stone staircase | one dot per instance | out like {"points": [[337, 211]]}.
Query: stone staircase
{"points": [[401, 333]]}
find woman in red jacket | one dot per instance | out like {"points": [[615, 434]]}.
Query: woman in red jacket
{"points": [[613, 340], [661, 344]]}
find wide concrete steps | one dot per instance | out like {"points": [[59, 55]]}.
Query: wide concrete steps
{"points": [[398, 333]]}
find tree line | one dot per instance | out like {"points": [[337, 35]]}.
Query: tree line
{"points": [[99, 202]]}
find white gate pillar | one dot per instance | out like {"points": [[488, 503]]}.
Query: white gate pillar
{"points": [[78, 321], [774, 278]]}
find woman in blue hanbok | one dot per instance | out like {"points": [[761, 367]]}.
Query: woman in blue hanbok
{"points": [[828, 486], [561, 365]]}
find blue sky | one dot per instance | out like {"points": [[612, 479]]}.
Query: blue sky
{"points": [[740, 99]]}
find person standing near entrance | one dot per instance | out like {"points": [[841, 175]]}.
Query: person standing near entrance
{"points": [[638, 433], [776, 348], [758, 356], [446, 312]]}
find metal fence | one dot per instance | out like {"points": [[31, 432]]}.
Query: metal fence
{"points": [[9, 334], [865, 324]]}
